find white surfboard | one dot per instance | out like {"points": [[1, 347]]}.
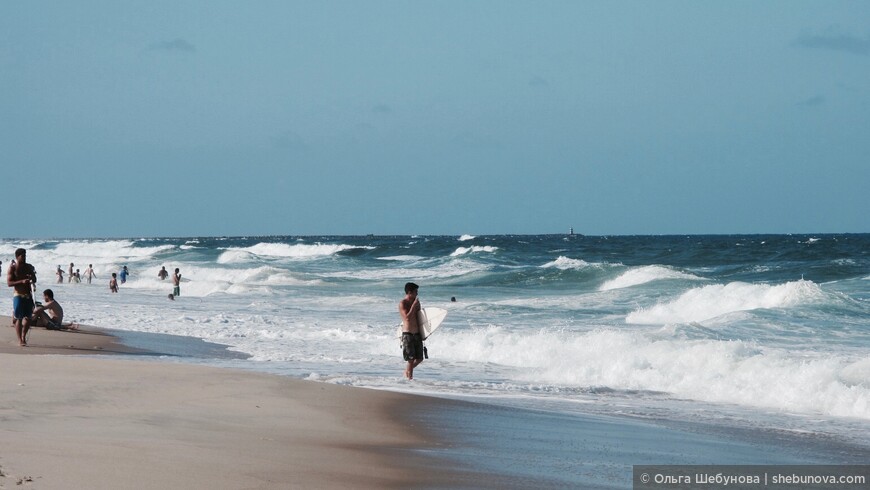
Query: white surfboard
{"points": [[429, 320]]}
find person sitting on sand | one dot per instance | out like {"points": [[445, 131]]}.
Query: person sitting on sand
{"points": [[48, 314]]}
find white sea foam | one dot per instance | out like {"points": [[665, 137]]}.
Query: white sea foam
{"points": [[473, 249], [733, 372], [643, 275], [235, 256], [106, 257], [565, 263], [296, 251], [403, 258], [707, 302], [200, 281], [118, 249], [452, 269]]}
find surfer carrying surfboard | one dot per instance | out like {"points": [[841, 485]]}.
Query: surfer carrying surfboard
{"points": [[412, 340]]}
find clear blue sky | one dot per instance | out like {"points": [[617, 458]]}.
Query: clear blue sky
{"points": [[183, 118]]}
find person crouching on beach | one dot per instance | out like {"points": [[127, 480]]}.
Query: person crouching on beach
{"points": [[21, 276], [113, 283], [48, 314], [412, 339]]}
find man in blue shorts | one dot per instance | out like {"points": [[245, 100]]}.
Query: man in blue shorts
{"points": [[22, 277]]}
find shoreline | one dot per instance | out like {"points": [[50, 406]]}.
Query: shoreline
{"points": [[85, 340], [75, 421], [96, 413]]}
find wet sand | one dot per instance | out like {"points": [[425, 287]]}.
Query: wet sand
{"points": [[110, 423]]}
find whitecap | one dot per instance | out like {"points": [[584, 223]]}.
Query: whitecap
{"points": [[473, 249], [707, 302], [643, 275]]}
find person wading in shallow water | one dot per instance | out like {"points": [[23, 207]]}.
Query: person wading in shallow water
{"points": [[412, 339], [22, 277]]}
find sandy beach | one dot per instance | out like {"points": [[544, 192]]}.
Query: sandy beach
{"points": [[111, 423]]}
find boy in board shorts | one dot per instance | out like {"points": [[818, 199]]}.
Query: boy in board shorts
{"points": [[412, 340]]}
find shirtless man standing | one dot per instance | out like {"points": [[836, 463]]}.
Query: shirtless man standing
{"points": [[412, 340], [89, 273], [22, 277]]}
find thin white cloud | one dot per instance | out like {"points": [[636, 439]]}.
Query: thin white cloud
{"points": [[177, 44], [833, 40], [812, 101], [537, 81], [290, 140]]}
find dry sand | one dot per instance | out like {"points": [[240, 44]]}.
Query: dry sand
{"points": [[69, 422]]}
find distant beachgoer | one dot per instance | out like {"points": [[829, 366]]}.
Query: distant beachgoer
{"points": [[163, 274], [171, 297], [70, 272], [113, 283], [49, 314], [77, 277], [176, 281], [22, 277], [412, 339], [59, 274], [123, 274], [89, 273], [453, 299]]}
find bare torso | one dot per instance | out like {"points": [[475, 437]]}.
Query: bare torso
{"points": [[17, 272], [408, 310]]}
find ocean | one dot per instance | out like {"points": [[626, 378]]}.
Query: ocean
{"points": [[755, 333]]}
